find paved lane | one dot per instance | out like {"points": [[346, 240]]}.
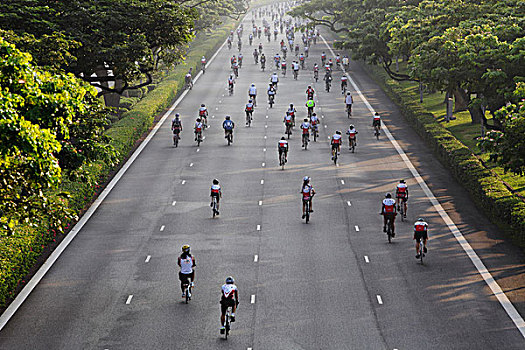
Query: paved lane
{"points": [[316, 286]]}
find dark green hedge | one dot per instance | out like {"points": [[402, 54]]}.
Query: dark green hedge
{"points": [[488, 192], [20, 252]]}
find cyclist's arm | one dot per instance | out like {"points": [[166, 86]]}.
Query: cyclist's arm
{"points": [[178, 261], [194, 261]]}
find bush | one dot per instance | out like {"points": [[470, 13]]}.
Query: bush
{"points": [[501, 206]]}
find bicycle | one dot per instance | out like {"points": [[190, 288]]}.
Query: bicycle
{"points": [[271, 101], [214, 206], [316, 75], [421, 252], [187, 289], [288, 130], [176, 138], [307, 211], [282, 160], [343, 89], [306, 139], [401, 209], [249, 119], [327, 85], [376, 131], [389, 229], [199, 138], [203, 68], [227, 322], [295, 74], [335, 155], [352, 143], [348, 110], [230, 89], [229, 136], [315, 132]]}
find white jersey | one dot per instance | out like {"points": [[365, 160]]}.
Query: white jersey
{"points": [[295, 66], [252, 90], [305, 125], [186, 264], [349, 100], [275, 78], [228, 291], [314, 120]]}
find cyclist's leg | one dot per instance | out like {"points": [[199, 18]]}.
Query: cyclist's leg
{"points": [[405, 205], [224, 307], [385, 222], [393, 223], [218, 200], [304, 207], [182, 279], [311, 207]]}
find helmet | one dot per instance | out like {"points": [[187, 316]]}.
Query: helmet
{"points": [[348, 93], [291, 105], [270, 84], [253, 84], [202, 105], [199, 119], [351, 126], [309, 86], [338, 132], [215, 181], [227, 117], [314, 115], [283, 138], [230, 280], [377, 113], [250, 101], [176, 115], [402, 181], [388, 195], [420, 219], [306, 178], [185, 248], [305, 119]]}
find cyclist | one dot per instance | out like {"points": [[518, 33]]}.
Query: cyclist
{"points": [[323, 57], [277, 60], [235, 68], [231, 81], [203, 63], [352, 136], [345, 62], [305, 126], [250, 38], [256, 56], [328, 80], [249, 110], [402, 196], [282, 146], [288, 122], [310, 104], [292, 112], [283, 66], [376, 123], [263, 61], [274, 79], [310, 92], [306, 50], [271, 92], [307, 192], [203, 114], [301, 59], [348, 101], [240, 57], [187, 264], [314, 121], [229, 297], [216, 192], [260, 47], [176, 126], [252, 94], [228, 125], [344, 83], [188, 80], [388, 210], [316, 71], [337, 60], [420, 232], [336, 143], [198, 128], [296, 49], [295, 67], [233, 60]]}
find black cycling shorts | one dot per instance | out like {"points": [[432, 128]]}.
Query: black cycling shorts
{"points": [[225, 304], [376, 123], [184, 276], [418, 235]]}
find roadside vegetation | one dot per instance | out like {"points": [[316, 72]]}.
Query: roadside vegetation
{"points": [[470, 51], [80, 83]]}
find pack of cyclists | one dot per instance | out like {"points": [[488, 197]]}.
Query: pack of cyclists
{"points": [[390, 207]]}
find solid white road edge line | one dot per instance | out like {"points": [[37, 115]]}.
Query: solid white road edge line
{"points": [[24, 293], [483, 271], [128, 301]]}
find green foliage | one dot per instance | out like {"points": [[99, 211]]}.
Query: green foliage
{"points": [[507, 147]]}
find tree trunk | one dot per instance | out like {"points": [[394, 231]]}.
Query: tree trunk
{"points": [[476, 115], [460, 100]]}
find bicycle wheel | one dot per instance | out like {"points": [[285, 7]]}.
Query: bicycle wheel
{"points": [[214, 208], [307, 217], [421, 254], [187, 293]]}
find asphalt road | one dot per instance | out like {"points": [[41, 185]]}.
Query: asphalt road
{"points": [[334, 283]]}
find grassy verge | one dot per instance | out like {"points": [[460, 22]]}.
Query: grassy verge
{"points": [[487, 190], [22, 253]]}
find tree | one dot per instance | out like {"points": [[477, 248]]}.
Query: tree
{"points": [[507, 147]]}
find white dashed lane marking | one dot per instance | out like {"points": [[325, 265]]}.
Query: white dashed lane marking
{"points": [[342, 182], [183, 182], [147, 259], [258, 227], [174, 202], [366, 259], [262, 182], [128, 301], [349, 204], [253, 299], [357, 228], [255, 258], [379, 300], [260, 202]]}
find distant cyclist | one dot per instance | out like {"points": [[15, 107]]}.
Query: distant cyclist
{"points": [[388, 210], [176, 125], [228, 125], [352, 136], [310, 104], [282, 147], [420, 233], [203, 114], [402, 196], [198, 128], [252, 94], [349, 100], [376, 123], [310, 92], [187, 269], [229, 297], [249, 110], [307, 193], [291, 111], [305, 127], [336, 143], [216, 192]]}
